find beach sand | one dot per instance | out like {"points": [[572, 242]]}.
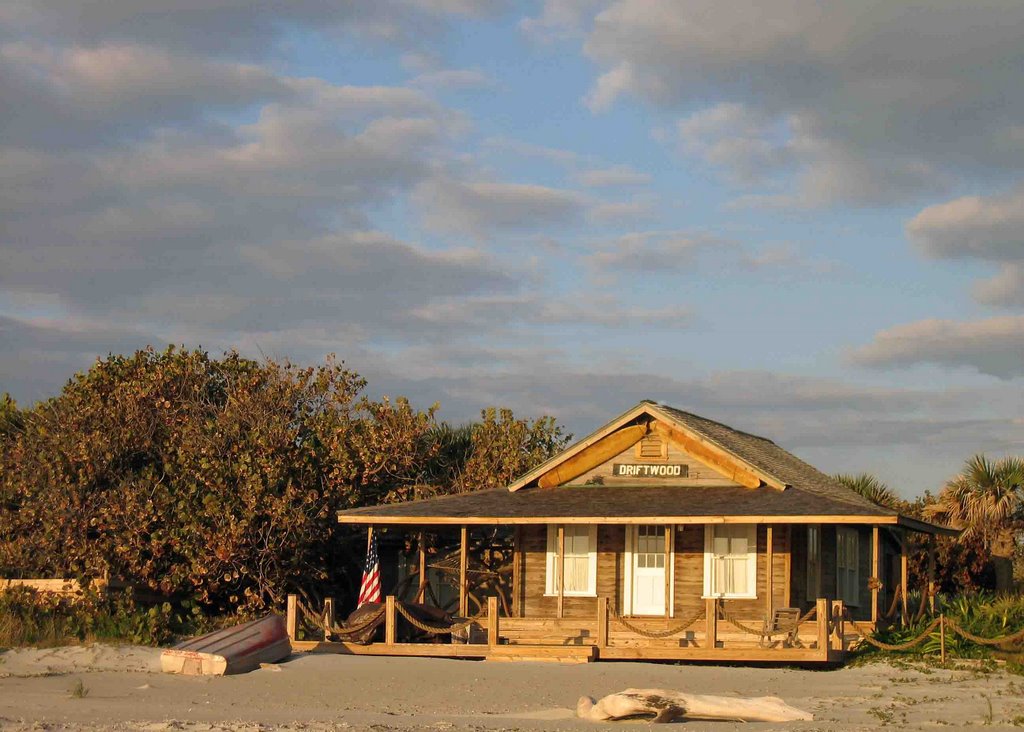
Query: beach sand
{"points": [[124, 690]]}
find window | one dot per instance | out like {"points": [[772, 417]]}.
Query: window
{"points": [[847, 566], [730, 561], [650, 547], [580, 560], [813, 584]]}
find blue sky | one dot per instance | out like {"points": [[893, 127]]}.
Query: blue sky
{"points": [[803, 220]]}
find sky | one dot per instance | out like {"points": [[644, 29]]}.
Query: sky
{"points": [[803, 219]]}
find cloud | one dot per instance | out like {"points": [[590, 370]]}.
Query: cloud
{"points": [[989, 228], [785, 257], [613, 212], [993, 346], [453, 79], [912, 438], [1005, 289], [42, 353], [653, 251], [559, 19], [616, 176], [235, 27], [489, 312], [852, 115], [985, 228], [481, 208]]}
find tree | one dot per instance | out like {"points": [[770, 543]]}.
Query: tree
{"points": [[219, 479], [871, 488], [505, 447], [985, 502], [10, 416]]}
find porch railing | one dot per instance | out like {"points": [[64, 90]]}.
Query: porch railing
{"points": [[716, 633]]}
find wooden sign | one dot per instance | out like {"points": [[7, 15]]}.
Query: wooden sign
{"points": [[650, 470]]}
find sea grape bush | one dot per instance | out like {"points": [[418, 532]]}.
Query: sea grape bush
{"points": [[217, 480]]}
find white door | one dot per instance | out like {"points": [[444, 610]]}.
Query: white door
{"points": [[649, 570]]}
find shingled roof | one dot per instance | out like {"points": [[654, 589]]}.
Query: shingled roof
{"points": [[808, 493]]}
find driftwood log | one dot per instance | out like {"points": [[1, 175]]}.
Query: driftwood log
{"points": [[667, 706]]}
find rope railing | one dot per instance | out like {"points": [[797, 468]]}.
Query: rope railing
{"points": [[319, 622], [437, 629], [656, 633], [944, 624], [790, 630]]}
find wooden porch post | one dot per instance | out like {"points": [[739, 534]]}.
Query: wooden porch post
{"points": [[875, 579], [838, 639], [463, 599], [328, 617], [423, 568], [389, 620], [769, 576], [291, 616], [517, 574], [561, 570], [602, 622], [822, 616], [492, 621], [904, 577], [668, 571], [931, 574], [711, 622], [787, 571]]}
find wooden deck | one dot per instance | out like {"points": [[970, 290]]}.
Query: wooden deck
{"points": [[605, 637]]}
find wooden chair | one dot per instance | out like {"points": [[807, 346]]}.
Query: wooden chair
{"points": [[783, 619]]}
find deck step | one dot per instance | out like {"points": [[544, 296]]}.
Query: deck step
{"points": [[560, 654]]}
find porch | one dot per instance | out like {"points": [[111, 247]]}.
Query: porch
{"points": [[822, 634]]}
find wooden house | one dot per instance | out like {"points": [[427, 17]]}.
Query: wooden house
{"points": [[665, 535]]}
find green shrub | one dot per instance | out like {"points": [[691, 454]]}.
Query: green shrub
{"points": [[982, 614], [30, 618]]}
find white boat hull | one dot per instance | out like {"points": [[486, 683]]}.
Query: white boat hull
{"points": [[234, 650]]}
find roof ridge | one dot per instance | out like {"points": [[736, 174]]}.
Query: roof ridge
{"points": [[716, 422]]}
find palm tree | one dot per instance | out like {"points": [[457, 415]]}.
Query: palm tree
{"points": [[986, 502], [871, 488]]}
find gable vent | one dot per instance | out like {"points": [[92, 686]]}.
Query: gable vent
{"points": [[652, 447]]}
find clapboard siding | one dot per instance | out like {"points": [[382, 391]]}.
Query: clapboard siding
{"points": [[610, 545], [688, 580], [698, 472]]}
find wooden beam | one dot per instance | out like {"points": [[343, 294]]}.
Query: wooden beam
{"points": [[875, 578], [463, 597], [769, 577], [904, 577], [602, 622], [517, 572], [423, 568], [839, 627], [931, 574], [668, 571], [601, 451], [561, 570], [717, 458], [711, 622], [291, 621], [390, 620], [685, 520], [787, 570], [822, 618], [328, 617], [492, 621]]}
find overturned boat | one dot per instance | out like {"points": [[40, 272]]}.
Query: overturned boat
{"points": [[234, 650]]}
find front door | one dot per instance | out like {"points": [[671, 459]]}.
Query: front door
{"points": [[649, 570]]}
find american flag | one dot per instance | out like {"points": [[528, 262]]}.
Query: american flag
{"points": [[369, 590]]}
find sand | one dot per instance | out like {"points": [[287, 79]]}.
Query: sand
{"points": [[125, 691]]}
